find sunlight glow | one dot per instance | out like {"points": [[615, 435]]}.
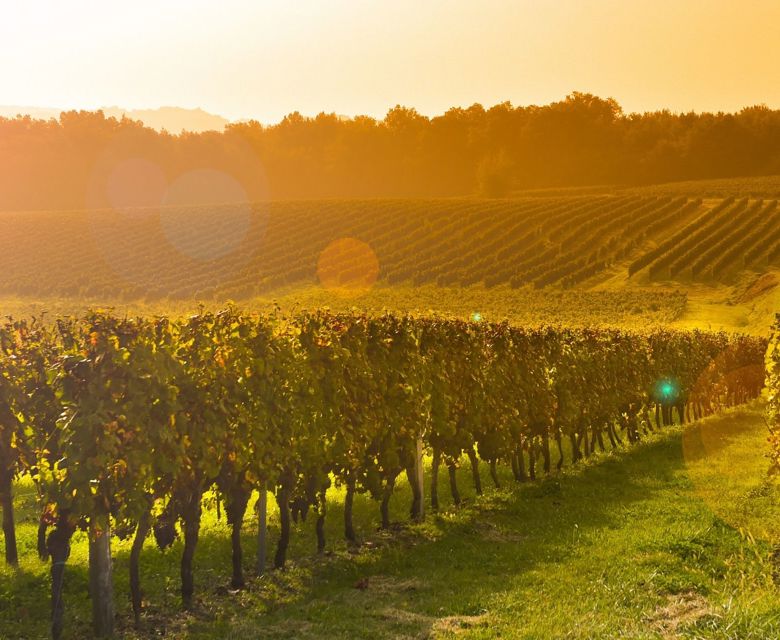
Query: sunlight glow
{"points": [[241, 58]]}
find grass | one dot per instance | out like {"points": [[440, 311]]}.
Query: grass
{"points": [[669, 539], [620, 307], [616, 302]]}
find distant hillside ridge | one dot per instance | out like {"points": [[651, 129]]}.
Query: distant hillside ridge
{"points": [[171, 119]]}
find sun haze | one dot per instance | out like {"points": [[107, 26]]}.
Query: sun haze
{"points": [[262, 60]]}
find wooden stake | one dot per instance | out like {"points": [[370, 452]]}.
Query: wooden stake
{"points": [[420, 479], [262, 528]]}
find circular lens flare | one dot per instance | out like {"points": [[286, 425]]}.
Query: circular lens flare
{"points": [[722, 452], [348, 266], [209, 230], [135, 183]]}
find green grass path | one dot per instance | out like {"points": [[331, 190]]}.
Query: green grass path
{"points": [[669, 539]]}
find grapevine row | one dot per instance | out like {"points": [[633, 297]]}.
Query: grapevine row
{"points": [[664, 252], [124, 424], [240, 251]]}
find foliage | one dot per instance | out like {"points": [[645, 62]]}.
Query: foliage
{"points": [[86, 159], [239, 251], [600, 549], [773, 385], [154, 412]]}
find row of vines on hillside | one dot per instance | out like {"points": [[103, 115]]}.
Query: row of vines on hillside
{"points": [[239, 251], [124, 424], [731, 236]]}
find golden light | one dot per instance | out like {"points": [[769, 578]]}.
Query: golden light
{"points": [[348, 266], [135, 182]]}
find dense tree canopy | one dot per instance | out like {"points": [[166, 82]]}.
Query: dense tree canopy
{"points": [[87, 160]]}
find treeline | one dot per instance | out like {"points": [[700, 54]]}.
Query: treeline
{"points": [[123, 424], [85, 160]]}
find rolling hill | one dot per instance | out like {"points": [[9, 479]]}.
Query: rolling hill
{"points": [[239, 251], [171, 119]]}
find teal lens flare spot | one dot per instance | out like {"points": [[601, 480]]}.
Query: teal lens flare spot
{"points": [[666, 390]]}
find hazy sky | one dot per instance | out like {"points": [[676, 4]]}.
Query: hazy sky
{"points": [[265, 58]]}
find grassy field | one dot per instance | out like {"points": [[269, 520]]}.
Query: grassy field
{"points": [[748, 307], [527, 307], [669, 539]]}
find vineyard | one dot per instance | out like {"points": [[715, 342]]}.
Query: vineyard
{"points": [[731, 235], [753, 187], [123, 425], [241, 251], [773, 384]]}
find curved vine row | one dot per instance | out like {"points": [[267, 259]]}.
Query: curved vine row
{"points": [[124, 424]]}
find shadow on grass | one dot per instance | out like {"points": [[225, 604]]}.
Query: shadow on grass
{"points": [[409, 581], [415, 578]]}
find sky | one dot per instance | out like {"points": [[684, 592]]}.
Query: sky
{"points": [[263, 59]]}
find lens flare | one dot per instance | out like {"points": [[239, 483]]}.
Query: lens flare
{"points": [[720, 454], [136, 183], [348, 266], [666, 391], [206, 235]]}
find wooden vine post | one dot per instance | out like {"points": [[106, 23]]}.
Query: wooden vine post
{"points": [[419, 476], [262, 527]]}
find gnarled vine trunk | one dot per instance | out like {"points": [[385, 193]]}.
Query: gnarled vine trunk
{"points": [[283, 500], [9, 526], [141, 531], [546, 451], [515, 466], [262, 528], [559, 442], [43, 554], [238, 499], [58, 548], [349, 529], [521, 464], [322, 506], [494, 474], [475, 470], [191, 512], [384, 508], [101, 588], [435, 464], [576, 454], [415, 510], [453, 472]]}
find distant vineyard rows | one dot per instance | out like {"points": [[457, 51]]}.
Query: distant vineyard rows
{"points": [[733, 235], [238, 251]]}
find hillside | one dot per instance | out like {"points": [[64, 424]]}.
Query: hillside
{"points": [[751, 186], [171, 119], [242, 251]]}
